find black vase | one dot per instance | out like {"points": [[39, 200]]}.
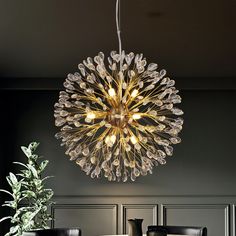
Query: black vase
{"points": [[135, 227]]}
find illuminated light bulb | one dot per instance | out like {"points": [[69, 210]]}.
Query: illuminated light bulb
{"points": [[134, 93], [136, 116], [112, 92], [110, 140], [91, 115], [133, 139], [107, 139], [113, 138]]}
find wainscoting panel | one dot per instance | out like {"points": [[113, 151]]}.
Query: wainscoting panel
{"points": [[146, 212], [216, 217], [92, 219], [101, 215], [234, 220]]}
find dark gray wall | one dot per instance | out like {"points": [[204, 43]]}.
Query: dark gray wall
{"points": [[195, 187], [203, 163]]}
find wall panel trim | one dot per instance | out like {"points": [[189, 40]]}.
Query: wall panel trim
{"points": [[234, 220], [125, 207], [113, 207], [225, 207], [158, 204]]}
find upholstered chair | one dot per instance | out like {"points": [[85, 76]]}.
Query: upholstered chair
{"points": [[178, 230]]}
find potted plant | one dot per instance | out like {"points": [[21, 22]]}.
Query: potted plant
{"points": [[30, 199]]}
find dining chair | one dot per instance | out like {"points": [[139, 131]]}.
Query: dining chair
{"points": [[179, 230], [55, 232]]}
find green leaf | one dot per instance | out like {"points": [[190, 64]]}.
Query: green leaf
{"points": [[22, 164], [26, 151], [5, 218], [44, 208], [47, 192], [26, 173], [5, 191], [7, 205], [43, 165], [28, 193], [21, 198], [38, 183], [16, 188], [28, 208], [8, 234], [11, 204], [33, 171], [33, 146], [24, 183], [34, 157], [13, 178], [28, 216], [21, 175], [48, 177], [14, 229], [18, 212], [29, 226]]}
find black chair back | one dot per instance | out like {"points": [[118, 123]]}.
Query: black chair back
{"points": [[54, 232], [179, 230]]}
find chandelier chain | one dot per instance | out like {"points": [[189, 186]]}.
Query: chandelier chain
{"points": [[118, 29]]}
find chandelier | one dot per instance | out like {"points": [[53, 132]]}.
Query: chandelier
{"points": [[118, 118]]}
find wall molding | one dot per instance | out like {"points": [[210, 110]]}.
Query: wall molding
{"points": [[183, 83], [113, 207], [234, 220], [155, 208], [147, 196], [225, 207], [126, 207]]}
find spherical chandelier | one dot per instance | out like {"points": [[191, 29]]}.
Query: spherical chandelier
{"points": [[118, 117]]}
